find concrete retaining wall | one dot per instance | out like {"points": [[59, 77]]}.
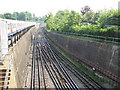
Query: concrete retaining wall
{"points": [[103, 55], [20, 58]]}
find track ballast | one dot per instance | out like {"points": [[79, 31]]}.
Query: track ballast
{"points": [[46, 57]]}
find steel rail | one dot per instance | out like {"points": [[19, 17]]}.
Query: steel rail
{"points": [[32, 74], [63, 70], [48, 69], [59, 71], [38, 66], [71, 65]]}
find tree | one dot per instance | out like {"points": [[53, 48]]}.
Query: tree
{"points": [[75, 18], [87, 17], [95, 17], [2, 16], [22, 16], [109, 17], [85, 9], [8, 16], [49, 20], [28, 15], [15, 15], [63, 20]]}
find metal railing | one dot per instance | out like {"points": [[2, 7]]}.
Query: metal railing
{"points": [[112, 40]]}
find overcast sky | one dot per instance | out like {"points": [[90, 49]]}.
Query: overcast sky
{"points": [[43, 7]]}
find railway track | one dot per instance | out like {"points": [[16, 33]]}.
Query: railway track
{"points": [[86, 80], [63, 78], [37, 75], [47, 57]]}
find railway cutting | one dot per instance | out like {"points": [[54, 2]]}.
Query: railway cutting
{"points": [[50, 69]]}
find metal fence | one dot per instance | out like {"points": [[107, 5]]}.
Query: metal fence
{"points": [[112, 40]]}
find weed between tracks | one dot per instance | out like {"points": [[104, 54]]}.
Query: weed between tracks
{"points": [[79, 65]]}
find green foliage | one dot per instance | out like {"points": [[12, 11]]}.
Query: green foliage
{"points": [[8, 15], [109, 31], [15, 15], [2, 16], [88, 23], [88, 16], [24, 16], [109, 17], [63, 20]]}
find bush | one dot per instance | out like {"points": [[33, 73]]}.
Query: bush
{"points": [[71, 21]]}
